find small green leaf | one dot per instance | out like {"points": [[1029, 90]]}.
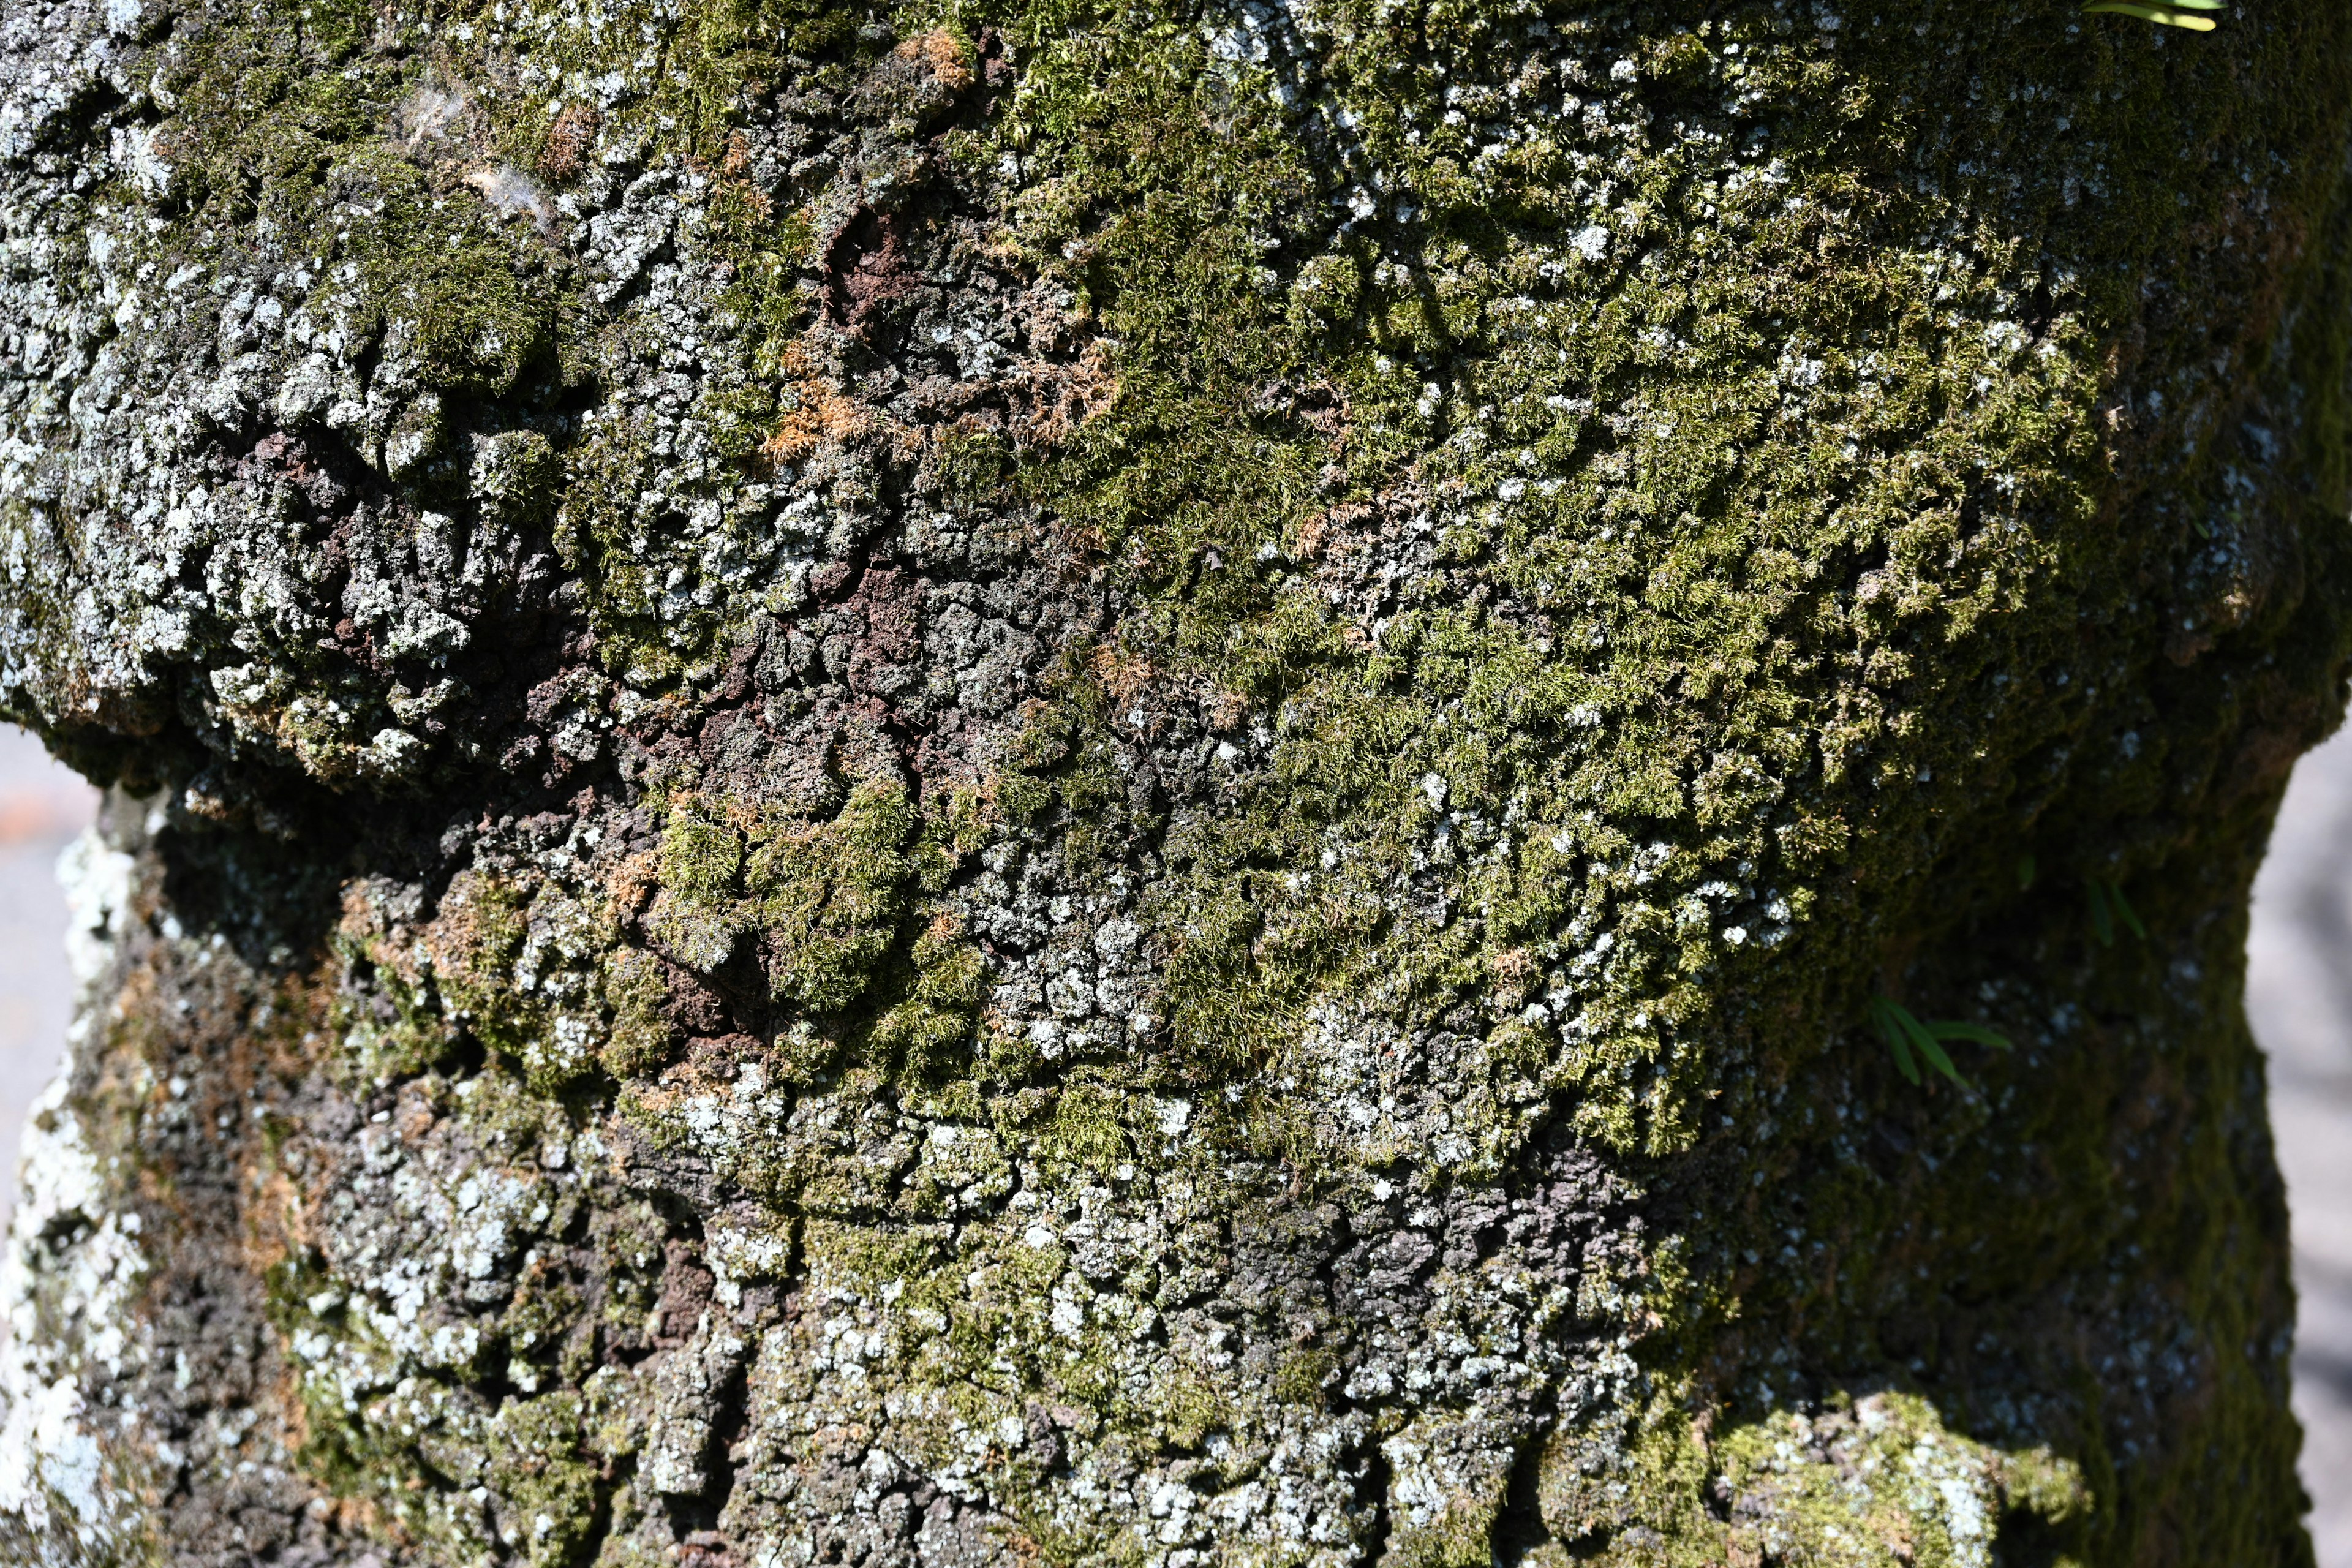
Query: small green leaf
{"points": [[1939, 1061], [1930, 1047], [1903, 1055], [2103, 924], [2169, 15], [2124, 913], [1887, 1016], [2024, 872], [1976, 1032]]}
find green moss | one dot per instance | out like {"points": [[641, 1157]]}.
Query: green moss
{"points": [[1089, 1129], [471, 303], [597, 538], [826, 899], [1685, 450], [542, 1473], [636, 989], [829, 897], [516, 478], [924, 1039], [538, 1321], [1463, 1536], [1862, 1481], [1304, 1375], [700, 859], [1695, 540], [376, 1445], [973, 466], [741, 418], [1188, 1407], [518, 965], [482, 930], [412, 1040]]}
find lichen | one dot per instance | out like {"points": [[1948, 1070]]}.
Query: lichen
{"points": [[1876, 1480]]}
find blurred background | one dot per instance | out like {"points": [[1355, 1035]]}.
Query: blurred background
{"points": [[43, 806], [2299, 994]]}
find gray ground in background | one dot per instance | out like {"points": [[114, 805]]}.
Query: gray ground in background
{"points": [[42, 806], [2300, 994], [2300, 988]]}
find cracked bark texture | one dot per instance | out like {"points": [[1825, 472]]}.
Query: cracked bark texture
{"points": [[1000, 783]]}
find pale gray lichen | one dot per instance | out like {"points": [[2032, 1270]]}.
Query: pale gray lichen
{"points": [[71, 1475]]}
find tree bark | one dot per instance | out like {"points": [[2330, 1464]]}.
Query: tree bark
{"points": [[1419, 782]]}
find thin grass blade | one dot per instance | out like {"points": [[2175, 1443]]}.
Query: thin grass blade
{"points": [[1902, 1062], [1884, 1013], [2124, 913], [1978, 1033], [2103, 924], [1930, 1047], [2165, 14]]}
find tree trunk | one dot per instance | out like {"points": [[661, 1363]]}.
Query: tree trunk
{"points": [[1419, 783]]}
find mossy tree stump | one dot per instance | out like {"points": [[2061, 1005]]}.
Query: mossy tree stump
{"points": [[994, 784]]}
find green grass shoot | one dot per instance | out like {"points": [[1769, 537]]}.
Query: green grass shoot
{"points": [[2108, 906], [2124, 913], [1905, 1035], [2181, 13]]}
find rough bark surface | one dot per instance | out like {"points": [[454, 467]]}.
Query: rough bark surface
{"points": [[1003, 783]]}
